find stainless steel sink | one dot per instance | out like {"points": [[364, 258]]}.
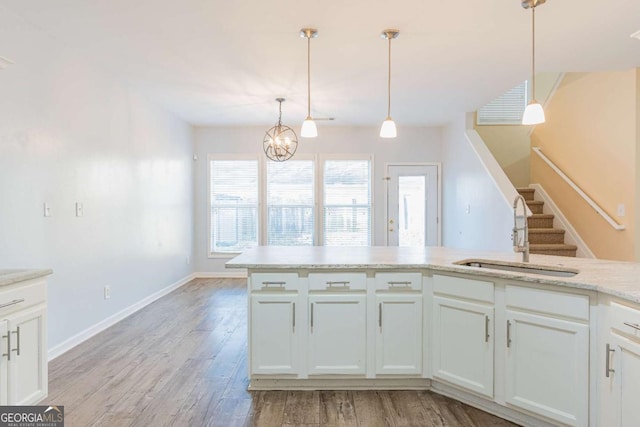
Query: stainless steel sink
{"points": [[544, 270]]}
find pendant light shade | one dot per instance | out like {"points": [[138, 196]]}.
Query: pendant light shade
{"points": [[309, 128], [280, 142], [533, 114], [388, 129]]}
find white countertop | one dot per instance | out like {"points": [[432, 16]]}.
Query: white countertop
{"points": [[9, 277], [617, 278]]}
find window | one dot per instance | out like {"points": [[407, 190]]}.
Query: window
{"points": [[506, 109], [347, 203], [234, 205], [295, 206], [290, 203]]}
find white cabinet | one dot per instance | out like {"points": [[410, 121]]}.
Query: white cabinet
{"points": [[399, 334], [274, 334], [462, 333], [620, 378], [23, 364], [337, 334], [547, 357]]}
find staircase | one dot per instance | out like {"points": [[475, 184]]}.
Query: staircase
{"points": [[543, 238]]}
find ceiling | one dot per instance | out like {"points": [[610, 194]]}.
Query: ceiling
{"points": [[224, 63]]}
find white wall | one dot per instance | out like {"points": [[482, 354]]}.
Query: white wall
{"points": [[413, 144], [476, 211], [68, 133]]}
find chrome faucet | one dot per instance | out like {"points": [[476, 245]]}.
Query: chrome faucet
{"points": [[524, 248]]}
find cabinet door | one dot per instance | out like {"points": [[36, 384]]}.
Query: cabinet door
{"points": [[399, 334], [274, 334], [4, 362], [28, 379], [547, 367], [623, 385], [463, 344], [337, 334]]}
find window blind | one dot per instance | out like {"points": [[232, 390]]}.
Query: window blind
{"points": [[290, 203], [506, 109], [347, 203], [234, 205]]}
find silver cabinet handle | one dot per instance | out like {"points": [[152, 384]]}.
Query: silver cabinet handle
{"points": [[508, 334], [607, 363], [294, 316], [633, 325], [274, 283], [311, 315], [14, 302], [380, 315], [399, 283], [338, 283], [17, 349], [486, 328]]}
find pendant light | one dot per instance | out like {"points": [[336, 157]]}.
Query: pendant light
{"points": [[533, 114], [388, 129], [280, 142], [309, 128]]}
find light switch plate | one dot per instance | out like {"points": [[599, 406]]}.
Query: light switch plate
{"points": [[621, 210], [79, 209], [47, 209]]}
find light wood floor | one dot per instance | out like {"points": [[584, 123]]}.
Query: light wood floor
{"points": [[182, 361]]}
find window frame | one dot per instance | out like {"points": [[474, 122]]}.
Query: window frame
{"points": [[318, 190]]}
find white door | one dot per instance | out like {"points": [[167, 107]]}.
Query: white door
{"points": [[399, 334], [28, 382], [337, 334], [274, 334], [463, 344], [412, 205], [547, 368]]}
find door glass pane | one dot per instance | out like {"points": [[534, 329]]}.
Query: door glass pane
{"points": [[411, 210]]}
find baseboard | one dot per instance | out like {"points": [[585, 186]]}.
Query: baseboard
{"points": [[113, 319], [571, 235], [241, 274]]}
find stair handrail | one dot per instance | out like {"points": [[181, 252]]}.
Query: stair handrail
{"points": [[578, 190]]}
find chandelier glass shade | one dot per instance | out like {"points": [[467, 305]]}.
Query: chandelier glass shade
{"points": [[280, 142]]}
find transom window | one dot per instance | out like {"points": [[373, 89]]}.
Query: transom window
{"points": [[507, 109]]}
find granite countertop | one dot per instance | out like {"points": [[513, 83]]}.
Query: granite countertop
{"points": [[9, 277], [617, 278]]}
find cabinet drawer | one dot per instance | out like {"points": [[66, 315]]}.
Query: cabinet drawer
{"points": [[548, 302], [464, 288], [22, 295], [274, 282], [625, 319], [337, 281], [399, 281]]}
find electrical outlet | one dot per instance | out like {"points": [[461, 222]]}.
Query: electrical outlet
{"points": [[188, 260], [107, 292]]}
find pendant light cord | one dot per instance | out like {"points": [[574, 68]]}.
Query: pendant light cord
{"points": [[309, 76], [389, 83], [533, 52]]}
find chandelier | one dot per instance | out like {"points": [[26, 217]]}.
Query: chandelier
{"points": [[280, 142]]}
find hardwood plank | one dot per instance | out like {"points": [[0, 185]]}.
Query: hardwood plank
{"points": [[336, 409], [267, 408], [302, 407], [369, 409], [196, 404], [406, 409], [228, 412], [437, 409]]}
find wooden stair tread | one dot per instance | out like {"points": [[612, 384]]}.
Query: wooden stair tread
{"points": [[534, 202], [541, 216], [525, 190]]}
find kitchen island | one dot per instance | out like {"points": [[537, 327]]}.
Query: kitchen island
{"points": [[530, 345]]}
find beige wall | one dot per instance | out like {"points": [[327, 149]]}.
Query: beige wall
{"points": [[591, 134], [510, 144], [637, 192]]}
